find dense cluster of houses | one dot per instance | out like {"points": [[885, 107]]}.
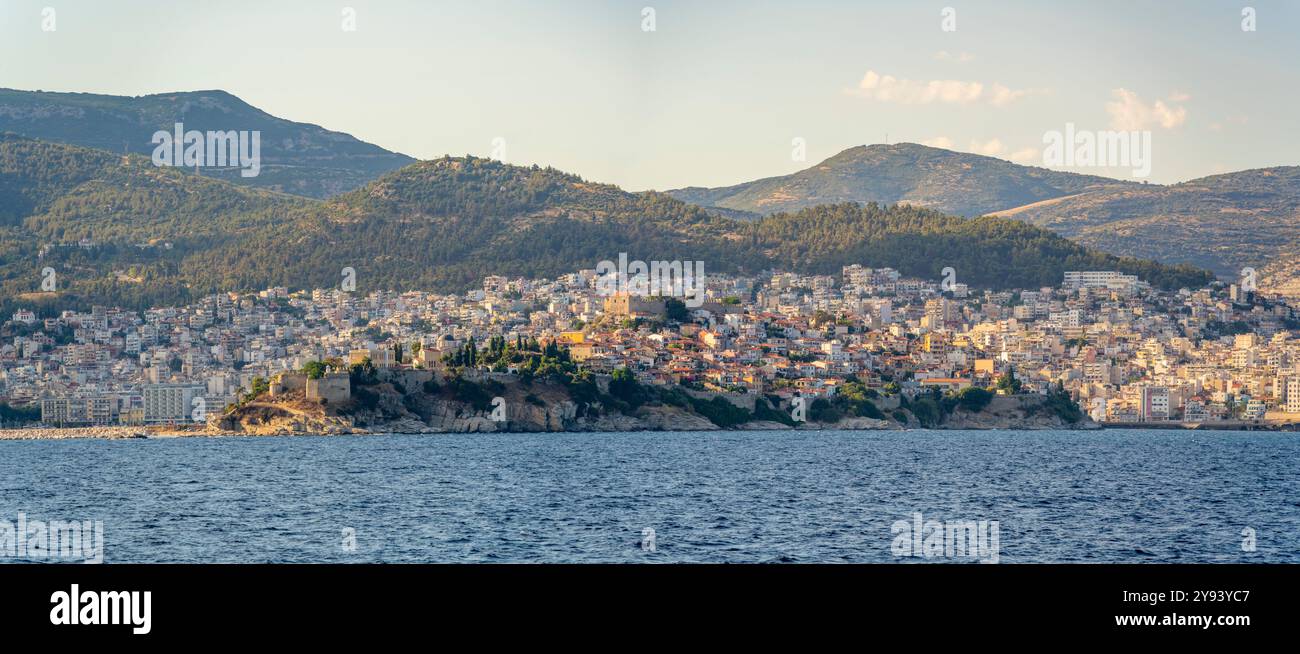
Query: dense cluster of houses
{"points": [[1125, 351]]}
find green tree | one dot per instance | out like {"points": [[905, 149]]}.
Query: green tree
{"points": [[314, 369], [927, 411], [974, 399], [364, 373], [676, 310], [1008, 383], [624, 386], [259, 386]]}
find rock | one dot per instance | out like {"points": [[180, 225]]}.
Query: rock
{"points": [[763, 425], [674, 419]]}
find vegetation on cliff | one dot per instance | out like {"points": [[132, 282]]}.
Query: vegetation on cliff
{"points": [[544, 390]]}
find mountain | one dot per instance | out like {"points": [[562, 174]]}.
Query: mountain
{"points": [[1222, 222], [114, 227], [951, 182], [118, 230], [297, 158], [445, 224]]}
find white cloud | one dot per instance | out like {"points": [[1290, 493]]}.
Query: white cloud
{"points": [[959, 57], [990, 148], [1128, 111], [887, 88], [1002, 96], [996, 148]]}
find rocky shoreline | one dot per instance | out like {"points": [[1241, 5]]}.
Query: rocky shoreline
{"points": [[106, 432], [542, 408], [415, 427]]}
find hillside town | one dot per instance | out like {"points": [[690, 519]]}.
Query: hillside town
{"points": [[1126, 353]]}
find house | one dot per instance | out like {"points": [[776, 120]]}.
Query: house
{"points": [[947, 384]]}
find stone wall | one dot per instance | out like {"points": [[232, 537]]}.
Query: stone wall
{"points": [[286, 382], [334, 387]]}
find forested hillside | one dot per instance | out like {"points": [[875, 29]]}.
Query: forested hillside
{"points": [[118, 230]]}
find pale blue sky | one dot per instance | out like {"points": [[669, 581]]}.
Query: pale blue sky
{"points": [[715, 94]]}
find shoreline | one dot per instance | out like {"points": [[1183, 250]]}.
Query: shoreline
{"points": [[104, 432], [145, 433]]}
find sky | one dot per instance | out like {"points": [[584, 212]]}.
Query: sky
{"points": [[717, 92]]}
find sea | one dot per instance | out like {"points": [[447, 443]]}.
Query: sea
{"points": [[1144, 496]]}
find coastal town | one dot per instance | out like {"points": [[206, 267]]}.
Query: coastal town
{"points": [[1126, 353]]}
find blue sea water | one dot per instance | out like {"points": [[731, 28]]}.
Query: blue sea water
{"points": [[1115, 495]]}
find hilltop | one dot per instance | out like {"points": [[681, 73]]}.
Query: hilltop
{"points": [[956, 183], [298, 158], [118, 230], [1222, 223]]}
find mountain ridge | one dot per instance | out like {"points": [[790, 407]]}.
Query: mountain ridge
{"points": [[953, 182], [299, 158], [1223, 222], [444, 224]]}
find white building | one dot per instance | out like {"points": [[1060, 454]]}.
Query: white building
{"points": [[1194, 411], [1293, 394], [172, 403], [1154, 403], [1108, 279]]}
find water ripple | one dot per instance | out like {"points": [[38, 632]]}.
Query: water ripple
{"points": [[1139, 496]]}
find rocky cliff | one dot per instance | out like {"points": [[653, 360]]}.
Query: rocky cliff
{"points": [[502, 403], [393, 408], [1016, 412]]}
